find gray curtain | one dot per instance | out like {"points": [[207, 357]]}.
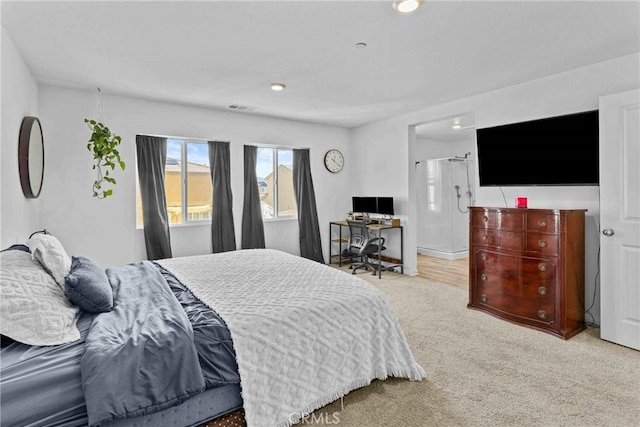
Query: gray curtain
{"points": [[310, 243], [252, 225], [152, 157], [223, 236]]}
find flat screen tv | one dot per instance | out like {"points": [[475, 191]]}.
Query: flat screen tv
{"points": [[560, 150], [364, 204], [385, 205]]}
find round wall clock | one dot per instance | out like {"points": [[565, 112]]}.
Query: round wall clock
{"points": [[333, 160]]}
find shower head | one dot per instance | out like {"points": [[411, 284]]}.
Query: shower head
{"points": [[460, 158], [457, 187]]}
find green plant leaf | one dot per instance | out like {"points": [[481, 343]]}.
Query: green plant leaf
{"points": [[102, 143]]}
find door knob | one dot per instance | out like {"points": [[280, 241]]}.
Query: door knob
{"points": [[608, 232]]}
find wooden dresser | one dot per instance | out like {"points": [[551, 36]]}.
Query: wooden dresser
{"points": [[527, 267]]}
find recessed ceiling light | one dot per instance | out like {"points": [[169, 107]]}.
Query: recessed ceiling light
{"points": [[406, 6], [361, 45], [277, 86]]}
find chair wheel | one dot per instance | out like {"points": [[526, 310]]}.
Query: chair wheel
{"points": [[353, 272]]}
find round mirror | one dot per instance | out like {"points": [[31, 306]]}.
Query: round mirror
{"points": [[31, 157]]}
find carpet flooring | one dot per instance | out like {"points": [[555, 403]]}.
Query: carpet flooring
{"points": [[483, 371]]}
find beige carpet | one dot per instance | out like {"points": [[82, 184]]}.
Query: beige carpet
{"points": [[482, 371]]}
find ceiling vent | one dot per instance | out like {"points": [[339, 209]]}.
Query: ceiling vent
{"points": [[242, 107]]}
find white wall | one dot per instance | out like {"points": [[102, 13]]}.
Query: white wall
{"points": [[391, 145], [105, 230], [19, 216]]}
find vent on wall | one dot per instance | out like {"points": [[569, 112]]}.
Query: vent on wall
{"points": [[242, 107]]}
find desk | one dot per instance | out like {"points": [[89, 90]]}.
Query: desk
{"points": [[343, 239]]}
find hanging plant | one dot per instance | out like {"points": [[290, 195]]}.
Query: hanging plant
{"points": [[103, 144]]}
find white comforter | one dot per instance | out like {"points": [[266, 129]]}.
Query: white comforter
{"points": [[304, 334]]}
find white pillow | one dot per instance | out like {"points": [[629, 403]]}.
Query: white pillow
{"points": [[49, 252], [33, 308]]}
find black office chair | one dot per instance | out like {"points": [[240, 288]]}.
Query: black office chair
{"points": [[362, 245]]}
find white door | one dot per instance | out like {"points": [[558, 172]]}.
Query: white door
{"points": [[620, 218]]}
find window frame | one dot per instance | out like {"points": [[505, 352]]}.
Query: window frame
{"points": [[184, 184], [276, 149]]}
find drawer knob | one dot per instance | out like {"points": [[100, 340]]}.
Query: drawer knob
{"points": [[542, 243], [484, 277], [485, 218], [542, 266], [483, 298], [484, 257], [542, 314], [542, 290], [542, 222], [485, 237]]}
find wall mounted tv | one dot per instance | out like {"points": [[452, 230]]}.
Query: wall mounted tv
{"points": [[560, 150]]}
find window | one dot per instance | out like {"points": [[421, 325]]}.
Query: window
{"points": [[187, 183], [274, 168]]}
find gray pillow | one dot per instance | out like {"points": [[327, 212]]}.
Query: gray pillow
{"points": [[33, 308], [88, 287]]}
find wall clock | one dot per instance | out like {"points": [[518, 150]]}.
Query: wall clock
{"points": [[333, 160]]}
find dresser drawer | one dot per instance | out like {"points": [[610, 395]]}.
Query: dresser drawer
{"points": [[543, 243], [509, 220], [514, 284], [512, 240], [482, 218], [537, 310], [484, 237], [513, 266], [546, 223]]}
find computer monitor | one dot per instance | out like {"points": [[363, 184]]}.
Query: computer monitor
{"points": [[364, 204], [384, 205]]}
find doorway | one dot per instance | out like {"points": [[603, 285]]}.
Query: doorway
{"points": [[444, 161]]}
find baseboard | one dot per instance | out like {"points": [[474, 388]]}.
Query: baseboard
{"points": [[444, 255]]}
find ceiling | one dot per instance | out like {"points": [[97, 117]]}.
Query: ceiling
{"points": [[220, 53], [445, 130]]}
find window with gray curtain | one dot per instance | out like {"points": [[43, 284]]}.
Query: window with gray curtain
{"points": [[310, 242], [252, 225], [223, 236], [152, 157]]}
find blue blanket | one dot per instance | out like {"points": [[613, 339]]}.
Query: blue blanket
{"points": [[140, 357]]}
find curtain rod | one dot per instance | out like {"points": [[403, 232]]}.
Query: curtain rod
{"points": [[224, 140], [459, 159], [183, 137], [280, 146]]}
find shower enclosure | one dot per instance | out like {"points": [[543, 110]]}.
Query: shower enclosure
{"points": [[444, 189]]}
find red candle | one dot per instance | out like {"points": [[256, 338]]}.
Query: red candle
{"points": [[521, 202]]}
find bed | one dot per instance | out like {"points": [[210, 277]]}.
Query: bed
{"points": [[275, 334]]}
